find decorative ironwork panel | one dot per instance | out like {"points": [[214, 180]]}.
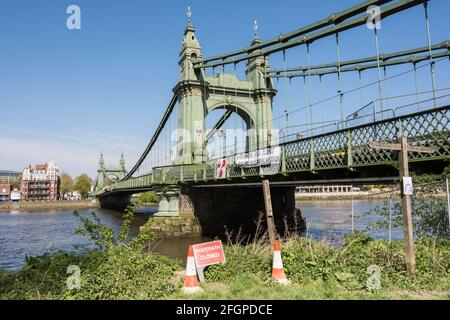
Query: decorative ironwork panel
{"points": [[189, 172], [428, 130], [158, 175], [298, 155], [362, 154], [209, 172], [330, 150], [172, 174]]}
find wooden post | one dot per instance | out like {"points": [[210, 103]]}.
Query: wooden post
{"points": [[410, 254], [269, 211], [403, 148]]}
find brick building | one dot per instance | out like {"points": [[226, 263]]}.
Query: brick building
{"points": [[41, 182]]}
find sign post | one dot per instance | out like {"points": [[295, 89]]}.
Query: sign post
{"points": [[410, 251], [207, 254], [407, 191], [269, 211]]}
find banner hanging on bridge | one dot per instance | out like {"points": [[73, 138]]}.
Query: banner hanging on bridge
{"points": [[264, 157]]}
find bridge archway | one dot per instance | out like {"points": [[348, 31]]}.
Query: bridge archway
{"points": [[228, 130], [237, 109]]}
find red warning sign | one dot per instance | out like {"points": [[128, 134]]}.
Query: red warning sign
{"points": [[208, 253]]}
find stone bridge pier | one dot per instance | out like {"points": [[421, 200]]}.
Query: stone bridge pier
{"points": [[222, 209]]}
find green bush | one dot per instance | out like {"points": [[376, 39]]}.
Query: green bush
{"points": [[147, 198], [113, 274], [255, 259]]}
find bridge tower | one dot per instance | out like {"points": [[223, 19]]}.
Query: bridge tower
{"points": [[109, 174], [101, 172], [199, 94]]}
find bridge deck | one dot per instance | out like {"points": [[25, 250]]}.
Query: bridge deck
{"points": [[342, 151]]}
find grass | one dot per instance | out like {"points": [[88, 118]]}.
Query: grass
{"points": [[250, 287]]}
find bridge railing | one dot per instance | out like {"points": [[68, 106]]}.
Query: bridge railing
{"points": [[345, 148]]}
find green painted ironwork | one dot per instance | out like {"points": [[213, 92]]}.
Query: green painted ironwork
{"points": [[347, 147], [341, 149]]}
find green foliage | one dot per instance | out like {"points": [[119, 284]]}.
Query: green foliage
{"points": [[66, 183], [146, 198], [254, 259], [101, 235], [125, 274], [104, 237], [308, 261], [112, 274], [83, 185], [429, 211]]}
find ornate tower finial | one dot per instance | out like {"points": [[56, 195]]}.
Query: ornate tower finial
{"points": [[189, 15], [255, 29], [101, 161], [122, 161]]}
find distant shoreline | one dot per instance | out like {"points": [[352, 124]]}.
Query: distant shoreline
{"points": [[376, 194], [83, 204]]}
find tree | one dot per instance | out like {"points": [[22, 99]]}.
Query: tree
{"points": [[15, 183], [66, 183], [83, 185], [147, 198]]}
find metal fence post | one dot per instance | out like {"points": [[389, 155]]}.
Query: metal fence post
{"points": [[312, 163], [448, 203], [353, 217], [283, 159], [349, 149], [390, 219]]}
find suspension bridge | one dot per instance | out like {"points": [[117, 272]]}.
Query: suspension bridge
{"points": [[216, 172]]}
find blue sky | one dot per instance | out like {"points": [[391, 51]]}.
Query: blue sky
{"points": [[68, 94]]}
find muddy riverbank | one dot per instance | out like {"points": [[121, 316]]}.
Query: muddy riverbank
{"points": [[38, 205]]}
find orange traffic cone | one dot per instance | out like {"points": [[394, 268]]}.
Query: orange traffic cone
{"points": [[277, 267], [191, 281]]}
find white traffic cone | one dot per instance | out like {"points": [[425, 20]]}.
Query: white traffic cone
{"points": [[191, 281], [277, 267]]}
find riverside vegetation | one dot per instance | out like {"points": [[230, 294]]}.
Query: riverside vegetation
{"points": [[121, 267]]}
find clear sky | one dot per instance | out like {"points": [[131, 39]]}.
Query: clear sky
{"points": [[68, 94]]}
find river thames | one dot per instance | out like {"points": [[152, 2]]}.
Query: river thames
{"points": [[33, 233]]}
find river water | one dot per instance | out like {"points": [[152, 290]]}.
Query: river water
{"points": [[33, 233]]}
